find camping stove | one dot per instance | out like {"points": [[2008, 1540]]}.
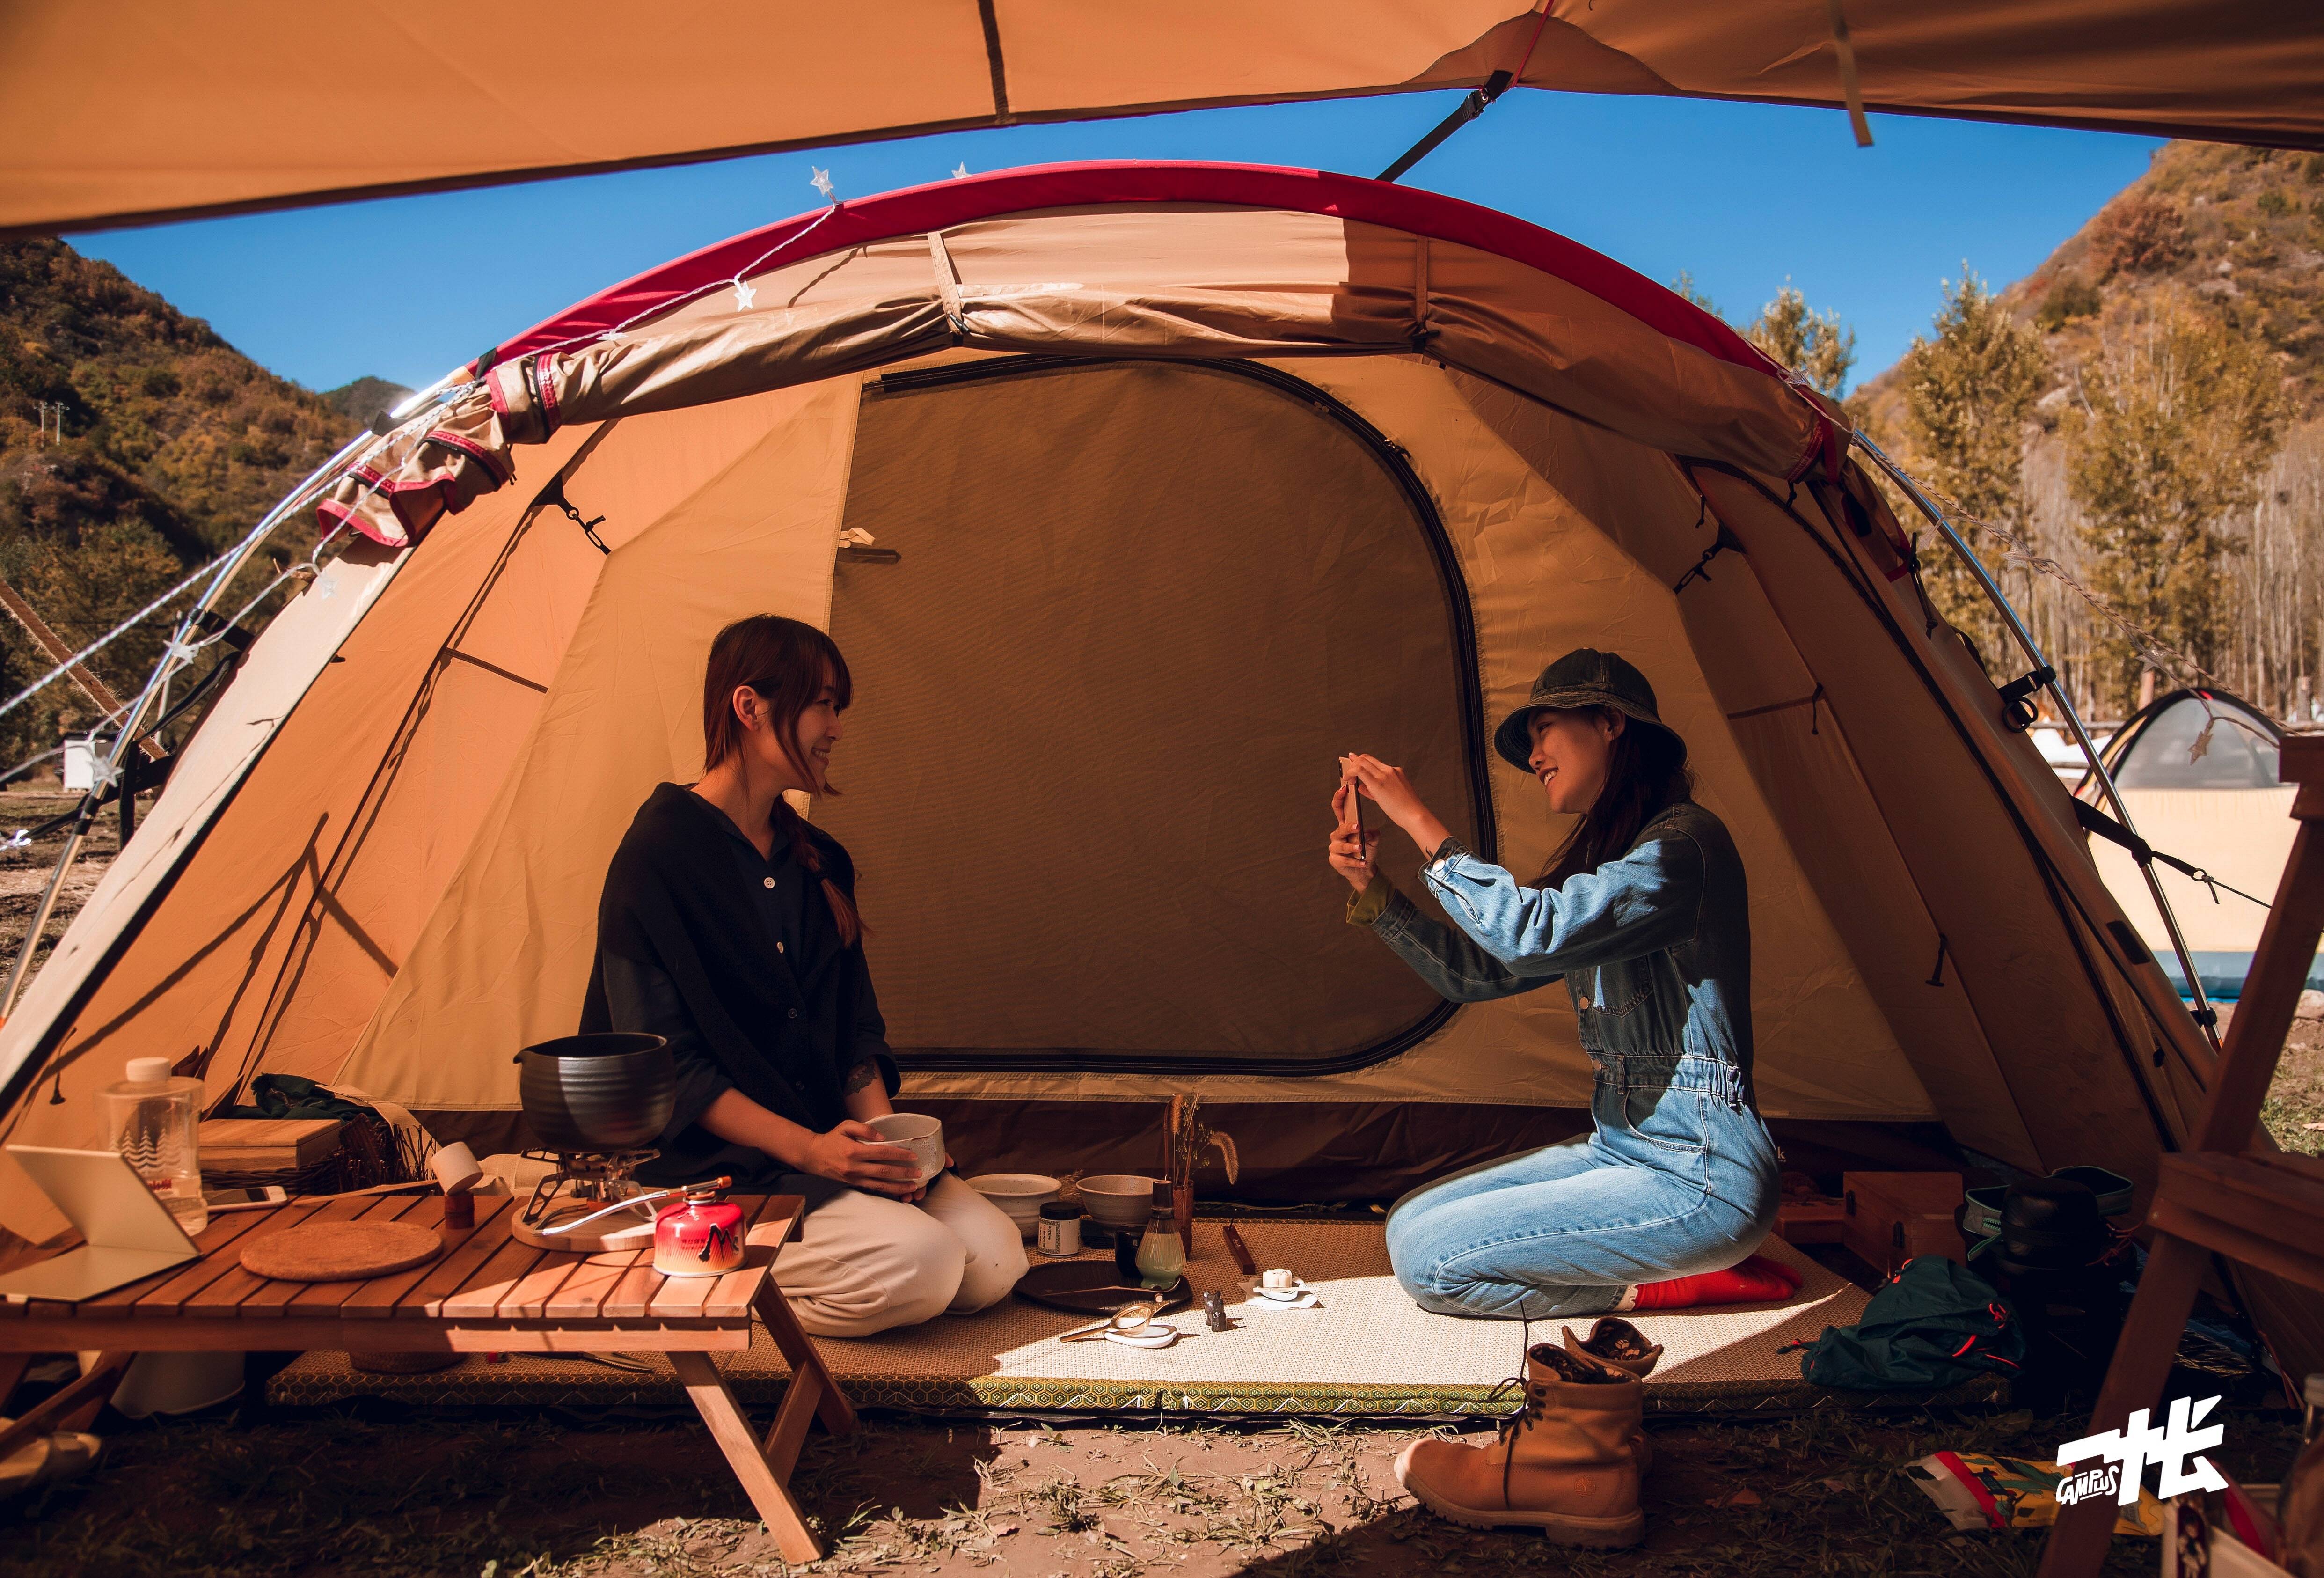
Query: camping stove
{"points": [[581, 1183]]}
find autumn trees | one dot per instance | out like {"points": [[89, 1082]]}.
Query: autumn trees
{"points": [[2168, 431], [1815, 344], [1969, 395]]}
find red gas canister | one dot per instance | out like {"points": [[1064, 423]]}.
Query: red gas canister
{"points": [[701, 1235]]}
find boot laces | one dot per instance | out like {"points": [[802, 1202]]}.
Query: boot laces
{"points": [[1515, 1426]]}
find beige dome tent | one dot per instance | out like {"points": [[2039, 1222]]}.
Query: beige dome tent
{"points": [[119, 112], [1135, 494]]}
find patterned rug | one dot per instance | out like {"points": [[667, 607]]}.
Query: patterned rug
{"points": [[1365, 1350]]}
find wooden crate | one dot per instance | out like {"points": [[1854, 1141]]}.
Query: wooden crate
{"points": [[1810, 1220], [260, 1144], [1888, 1218]]}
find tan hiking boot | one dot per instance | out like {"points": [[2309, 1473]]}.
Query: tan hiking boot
{"points": [[1566, 1464], [1616, 1342]]}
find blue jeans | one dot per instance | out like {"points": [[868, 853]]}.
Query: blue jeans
{"points": [[1677, 1176]]}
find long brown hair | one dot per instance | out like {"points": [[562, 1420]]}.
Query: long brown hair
{"points": [[788, 663], [1645, 774]]}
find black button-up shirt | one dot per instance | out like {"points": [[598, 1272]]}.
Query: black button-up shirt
{"points": [[735, 959]]}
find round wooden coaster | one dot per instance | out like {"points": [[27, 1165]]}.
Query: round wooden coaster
{"points": [[341, 1251]]}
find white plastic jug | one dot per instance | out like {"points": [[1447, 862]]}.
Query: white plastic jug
{"points": [[154, 1121]]}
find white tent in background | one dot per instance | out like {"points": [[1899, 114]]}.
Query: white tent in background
{"points": [[2196, 770]]}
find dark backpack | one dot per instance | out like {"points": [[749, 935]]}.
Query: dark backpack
{"points": [[1934, 1323]]}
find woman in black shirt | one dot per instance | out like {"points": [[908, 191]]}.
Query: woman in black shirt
{"points": [[728, 926]]}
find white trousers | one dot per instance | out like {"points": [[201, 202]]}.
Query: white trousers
{"points": [[865, 1263]]}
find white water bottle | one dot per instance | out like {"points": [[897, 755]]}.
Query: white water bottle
{"points": [[154, 1121]]}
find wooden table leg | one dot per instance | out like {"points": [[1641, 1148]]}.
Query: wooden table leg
{"points": [[90, 1393], [731, 1428], [2078, 1541], [774, 1311]]}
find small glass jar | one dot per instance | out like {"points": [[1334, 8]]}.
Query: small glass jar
{"points": [[1161, 1253], [701, 1235], [1060, 1229]]}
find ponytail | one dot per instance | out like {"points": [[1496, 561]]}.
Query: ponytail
{"points": [[789, 824]]}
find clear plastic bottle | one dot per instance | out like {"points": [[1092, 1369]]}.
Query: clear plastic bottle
{"points": [[154, 1121]]}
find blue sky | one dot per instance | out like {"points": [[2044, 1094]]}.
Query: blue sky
{"points": [[1744, 196]]}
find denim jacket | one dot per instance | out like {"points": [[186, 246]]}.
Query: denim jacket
{"points": [[1655, 946]]}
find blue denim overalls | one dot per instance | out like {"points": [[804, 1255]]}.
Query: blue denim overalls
{"points": [[1678, 1174]]}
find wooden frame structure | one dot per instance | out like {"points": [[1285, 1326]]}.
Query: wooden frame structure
{"points": [[2226, 1194], [487, 1293]]}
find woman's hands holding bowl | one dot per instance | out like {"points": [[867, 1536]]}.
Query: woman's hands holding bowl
{"points": [[854, 1152]]}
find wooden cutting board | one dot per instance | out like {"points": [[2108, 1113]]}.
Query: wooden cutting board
{"points": [[341, 1251]]}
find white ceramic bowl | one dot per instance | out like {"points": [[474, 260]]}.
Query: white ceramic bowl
{"points": [[1118, 1200], [1021, 1194], [918, 1133]]}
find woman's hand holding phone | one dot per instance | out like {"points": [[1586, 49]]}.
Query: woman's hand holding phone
{"points": [[1388, 789], [1354, 854], [854, 1152]]}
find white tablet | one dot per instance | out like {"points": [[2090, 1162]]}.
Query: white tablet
{"points": [[129, 1233]]}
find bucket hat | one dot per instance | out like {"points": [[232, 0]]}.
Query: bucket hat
{"points": [[1584, 677]]}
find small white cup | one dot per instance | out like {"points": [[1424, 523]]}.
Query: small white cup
{"points": [[455, 1167], [917, 1133]]}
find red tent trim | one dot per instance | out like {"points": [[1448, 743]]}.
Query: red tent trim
{"points": [[944, 204]]}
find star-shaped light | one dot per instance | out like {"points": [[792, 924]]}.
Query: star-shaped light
{"points": [[744, 295], [821, 182], [960, 170]]}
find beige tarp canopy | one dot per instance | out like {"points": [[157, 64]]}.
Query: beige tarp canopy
{"points": [[128, 111], [1192, 477]]}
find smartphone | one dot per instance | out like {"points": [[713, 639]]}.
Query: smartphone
{"points": [[245, 1199]]}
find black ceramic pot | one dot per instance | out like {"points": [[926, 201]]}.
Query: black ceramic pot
{"points": [[609, 1092]]}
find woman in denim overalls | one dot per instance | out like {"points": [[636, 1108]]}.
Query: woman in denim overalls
{"points": [[1642, 914]]}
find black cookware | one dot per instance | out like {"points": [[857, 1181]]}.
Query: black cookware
{"points": [[608, 1092]]}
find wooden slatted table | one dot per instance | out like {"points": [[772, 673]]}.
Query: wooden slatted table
{"points": [[487, 1293]]}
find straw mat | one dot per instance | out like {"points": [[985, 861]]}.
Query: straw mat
{"points": [[1366, 1350]]}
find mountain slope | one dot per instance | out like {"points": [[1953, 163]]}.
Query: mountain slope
{"points": [[134, 443], [2216, 236], [365, 398], [2240, 229]]}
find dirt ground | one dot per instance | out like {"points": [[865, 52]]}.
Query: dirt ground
{"points": [[539, 1498], [24, 872]]}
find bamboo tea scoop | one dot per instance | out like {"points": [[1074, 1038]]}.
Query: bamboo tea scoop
{"points": [[1134, 1317]]}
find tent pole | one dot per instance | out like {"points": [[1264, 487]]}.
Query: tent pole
{"points": [[2205, 1016], [175, 656]]}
